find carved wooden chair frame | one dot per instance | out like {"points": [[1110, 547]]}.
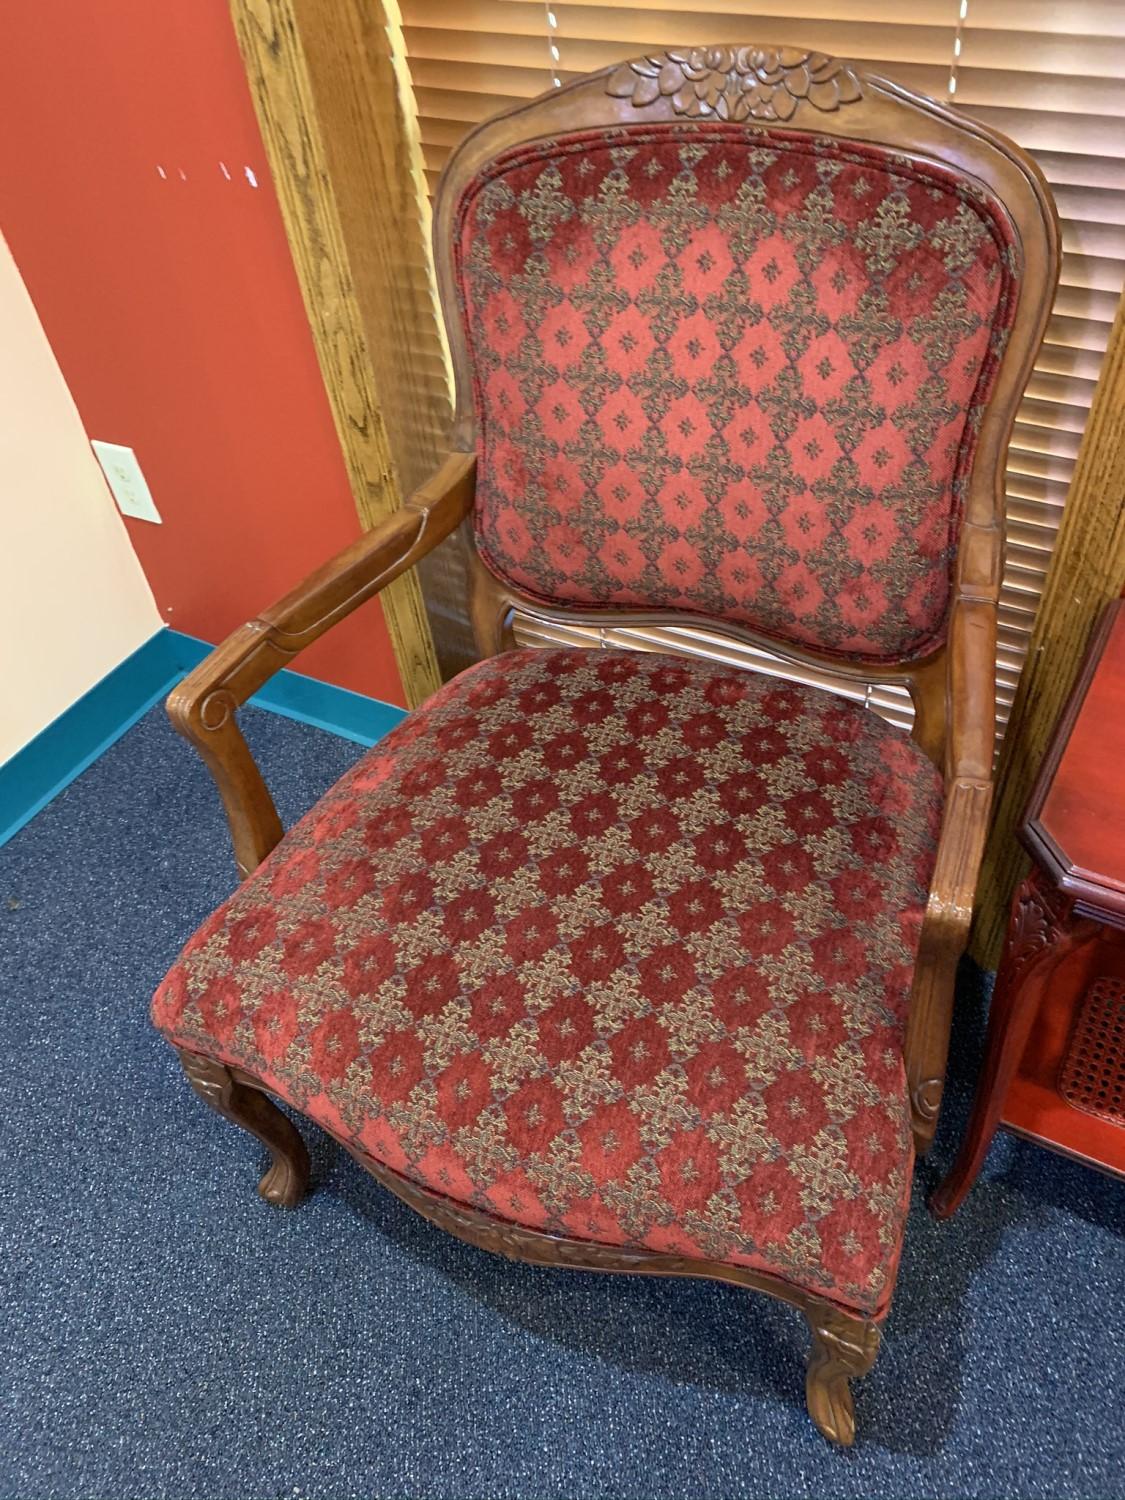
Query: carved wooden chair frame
{"points": [[952, 689]]}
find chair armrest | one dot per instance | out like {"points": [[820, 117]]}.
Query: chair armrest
{"points": [[203, 707], [971, 720], [964, 828], [945, 932], [971, 716]]}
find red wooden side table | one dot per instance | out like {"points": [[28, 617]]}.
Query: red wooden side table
{"points": [[1054, 1065]]}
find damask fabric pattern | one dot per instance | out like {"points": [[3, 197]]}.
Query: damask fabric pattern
{"points": [[732, 371], [607, 944]]}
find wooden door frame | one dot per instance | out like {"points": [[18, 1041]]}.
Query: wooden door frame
{"points": [[326, 94]]}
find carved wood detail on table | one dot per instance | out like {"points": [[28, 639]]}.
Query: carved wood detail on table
{"points": [[1039, 915]]}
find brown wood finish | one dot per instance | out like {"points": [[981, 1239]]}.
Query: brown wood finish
{"points": [[952, 689], [1087, 571]]}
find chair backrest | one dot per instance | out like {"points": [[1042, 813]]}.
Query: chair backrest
{"points": [[739, 334]]}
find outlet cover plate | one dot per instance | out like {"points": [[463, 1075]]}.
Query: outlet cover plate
{"points": [[126, 482]]}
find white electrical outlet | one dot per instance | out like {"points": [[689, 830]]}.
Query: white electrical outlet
{"points": [[123, 475]]}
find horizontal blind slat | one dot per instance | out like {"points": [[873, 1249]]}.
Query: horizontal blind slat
{"points": [[874, 12], [1031, 465], [458, 105], [1035, 130], [624, 30], [1054, 93], [1031, 436], [1044, 18], [1016, 50]]}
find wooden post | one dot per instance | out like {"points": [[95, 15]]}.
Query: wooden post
{"points": [[1087, 571], [328, 104]]}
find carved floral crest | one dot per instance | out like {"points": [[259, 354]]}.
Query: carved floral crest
{"points": [[737, 83]]}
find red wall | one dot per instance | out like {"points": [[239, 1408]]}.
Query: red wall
{"points": [[173, 308]]}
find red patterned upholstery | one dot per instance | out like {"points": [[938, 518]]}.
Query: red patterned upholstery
{"points": [[609, 944], [733, 371]]}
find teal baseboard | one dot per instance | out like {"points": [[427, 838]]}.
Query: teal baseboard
{"points": [[73, 741]]}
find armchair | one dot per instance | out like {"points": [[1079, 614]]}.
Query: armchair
{"points": [[615, 960]]}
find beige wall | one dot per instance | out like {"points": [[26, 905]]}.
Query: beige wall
{"points": [[73, 599]]}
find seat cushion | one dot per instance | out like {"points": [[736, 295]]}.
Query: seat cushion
{"points": [[608, 944]]}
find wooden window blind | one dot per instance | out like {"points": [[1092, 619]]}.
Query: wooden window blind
{"points": [[1049, 73]]}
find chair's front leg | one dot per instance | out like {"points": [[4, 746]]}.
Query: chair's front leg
{"points": [[287, 1177], [844, 1346]]}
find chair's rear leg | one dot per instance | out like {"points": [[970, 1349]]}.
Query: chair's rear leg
{"points": [[843, 1345], [288, 1175]]}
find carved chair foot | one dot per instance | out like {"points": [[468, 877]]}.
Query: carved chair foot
{"points": [[842, 1347], [287, 1177]]}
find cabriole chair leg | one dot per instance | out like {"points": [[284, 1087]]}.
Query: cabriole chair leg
{"points": [[842, 1347], [287, 1177]]}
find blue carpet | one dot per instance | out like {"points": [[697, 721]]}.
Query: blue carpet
{"points": [[167, 1334]]}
